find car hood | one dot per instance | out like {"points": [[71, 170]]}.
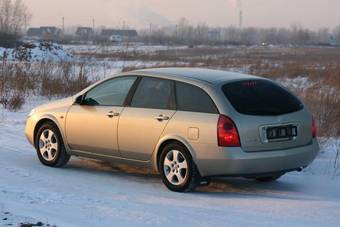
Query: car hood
{"points": [[62, 103]]}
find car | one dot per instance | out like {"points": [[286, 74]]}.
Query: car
{"points": [[116, 38], [188, 124]]}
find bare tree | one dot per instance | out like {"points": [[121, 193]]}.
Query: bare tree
{"points": [[336, 34], [187, 33], [14, 16]]}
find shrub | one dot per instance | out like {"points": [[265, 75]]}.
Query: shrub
{"points": [[16, 102], [21, 79]]}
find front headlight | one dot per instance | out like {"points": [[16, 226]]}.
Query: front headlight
{"points": [[31, 113]]}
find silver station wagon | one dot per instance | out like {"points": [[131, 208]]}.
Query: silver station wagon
{"points": [[188, 124]]}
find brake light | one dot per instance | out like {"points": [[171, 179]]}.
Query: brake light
{"points": [[227, 133], [314, 129]]}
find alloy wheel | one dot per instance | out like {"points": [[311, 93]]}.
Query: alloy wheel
{"points": [[175, 167], [48, 145]]}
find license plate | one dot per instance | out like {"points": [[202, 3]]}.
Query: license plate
{"points": [[281, 132]]}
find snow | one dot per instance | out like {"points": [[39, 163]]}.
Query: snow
{"points": [[43, 51], [127, 47], [298, 83], [93, 193]]}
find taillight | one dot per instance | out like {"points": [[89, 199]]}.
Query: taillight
{"points": [[227, 133], [314, 129]]}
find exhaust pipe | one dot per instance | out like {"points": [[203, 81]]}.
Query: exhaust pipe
{"points": [[299, 169]]}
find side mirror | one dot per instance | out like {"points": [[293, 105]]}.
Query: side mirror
{"points": [[79, 100]]}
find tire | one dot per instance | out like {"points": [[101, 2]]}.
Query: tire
{"points": [[50, 146], [268, 178], [178, 174]]}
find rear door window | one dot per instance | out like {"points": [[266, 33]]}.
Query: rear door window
{"points": [[193, 99], [153, 93], [260, 97]]}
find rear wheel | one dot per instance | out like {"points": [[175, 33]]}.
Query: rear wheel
{"points": [[268, 178], [50, 147], [178, 171]]}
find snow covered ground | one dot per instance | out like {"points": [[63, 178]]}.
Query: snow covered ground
{"points": [[125, 47], [92, 193], [43, 51]]}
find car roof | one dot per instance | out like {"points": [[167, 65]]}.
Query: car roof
{"points": [[196, 74]]}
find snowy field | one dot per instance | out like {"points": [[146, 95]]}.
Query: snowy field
{"points": [[127, 47], [92, 193]]}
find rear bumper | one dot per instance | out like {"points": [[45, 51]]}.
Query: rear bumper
{"points": [[236, 162]]}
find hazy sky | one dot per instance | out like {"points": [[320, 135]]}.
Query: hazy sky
{"points": [[140, 13]]}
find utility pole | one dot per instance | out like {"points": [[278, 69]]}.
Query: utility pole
{"points": [[176, 32], [241, 19], [240, 14], [63, 24], [25, 23], [93, 35]]}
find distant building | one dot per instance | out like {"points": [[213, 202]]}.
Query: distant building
{"points": [[84, 32], [34, 33], [214, 34], [117, 35], [44, 33]]}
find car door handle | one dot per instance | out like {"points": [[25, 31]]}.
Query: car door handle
{"points": [[112, 114], [162, 118]]}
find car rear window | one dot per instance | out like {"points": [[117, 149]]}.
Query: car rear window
{"points": [[260, 97]]}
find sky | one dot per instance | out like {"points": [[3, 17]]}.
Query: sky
{"points": [[313, 14]]}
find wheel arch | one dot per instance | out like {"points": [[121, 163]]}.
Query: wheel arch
{"points": [[167, 140], [52, 120]]}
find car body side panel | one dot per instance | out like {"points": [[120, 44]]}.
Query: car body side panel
{"points": [[181, 124], [89, 129], [55, 112], [139, 131]]}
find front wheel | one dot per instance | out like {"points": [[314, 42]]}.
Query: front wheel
{"points": [[178, 171], [50, 147]]}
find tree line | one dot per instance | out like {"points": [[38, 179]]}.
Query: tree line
{"points": [[15, 17], [186, 33]]}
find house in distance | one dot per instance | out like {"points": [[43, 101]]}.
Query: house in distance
{"points": [[85, 33], [119, 35], [44, 33]]}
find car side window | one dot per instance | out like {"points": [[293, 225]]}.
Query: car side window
{"points": [[193, 99], [153, 93], [109, 93]]}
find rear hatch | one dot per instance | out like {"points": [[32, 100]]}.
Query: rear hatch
{"points": [[267, 116]]}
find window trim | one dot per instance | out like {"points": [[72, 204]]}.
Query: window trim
{"points": [[171, 105], [114, 78], [132, 91], [175, 93]]}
